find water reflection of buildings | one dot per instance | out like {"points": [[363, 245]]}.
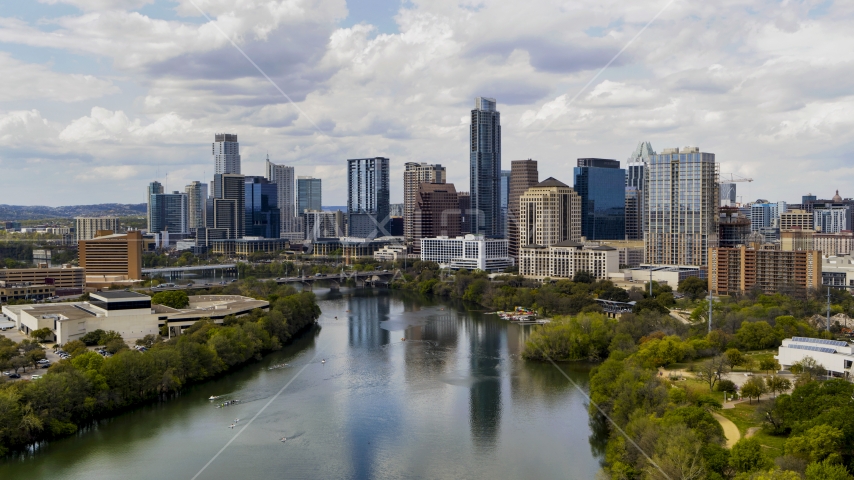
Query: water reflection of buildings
{"points": [[365, 315], [487, 339]]}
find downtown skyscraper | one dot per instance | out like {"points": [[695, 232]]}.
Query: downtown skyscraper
{"points": [[485, 168], [197, 197], [413, 176], [283, 177], [681, 202], [635, 174], [367, 197], [226, 153]]}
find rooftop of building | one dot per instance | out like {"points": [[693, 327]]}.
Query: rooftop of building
{"points": [[118, 295], [550, 182]]}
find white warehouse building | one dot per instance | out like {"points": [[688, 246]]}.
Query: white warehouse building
{"points": [[835, 356], [472, 252]]}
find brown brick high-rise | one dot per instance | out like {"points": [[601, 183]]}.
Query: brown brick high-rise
{"points": [[523, 175], [437, 212], [112, 255]]}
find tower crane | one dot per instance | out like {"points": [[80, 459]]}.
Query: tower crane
{"points": [[733, 178]]}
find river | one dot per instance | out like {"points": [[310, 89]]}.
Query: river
{"points": [[454, 400]]}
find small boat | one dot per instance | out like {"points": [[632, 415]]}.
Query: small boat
{"points": [[213, 397], [323, 361]]}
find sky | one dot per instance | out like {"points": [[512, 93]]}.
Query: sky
{"points": [[100, 97]]}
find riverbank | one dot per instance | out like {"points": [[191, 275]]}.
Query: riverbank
{"points": [[376, 398], [88, 387]]}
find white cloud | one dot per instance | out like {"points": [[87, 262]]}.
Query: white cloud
{"points": [[29, 81], [118, 172], [753, 82]]}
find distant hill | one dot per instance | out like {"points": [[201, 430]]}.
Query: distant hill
{"points": [[20, 212]]}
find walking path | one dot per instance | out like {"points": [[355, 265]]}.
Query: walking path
{"points": [[730, 430]]}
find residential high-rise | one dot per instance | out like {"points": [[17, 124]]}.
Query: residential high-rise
{"points": [[831, 218], [413, 176], [465, 212], [681, 203], [436, 212], [523, 175], [505, 201], [635, 174], [742, 269], [601, 185], [197, 197], [169, 212], [87, 227], [485, 167], [229, 204], [634, 200], [367, 197], [154, 188], [733, 227], [549, 213], [263, 217], [226, 153], [283, 177], [308, 194]]}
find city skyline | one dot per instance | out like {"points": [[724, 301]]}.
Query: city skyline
{"points": [[128, 110]]}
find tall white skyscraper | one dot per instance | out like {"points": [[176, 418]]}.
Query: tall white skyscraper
{"points": [[226, 153], [283, 177]]}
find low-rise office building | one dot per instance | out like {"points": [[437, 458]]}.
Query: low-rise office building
{"points": [[837, 271], [565, 259], [67, 280], [246, 246], [835, 356], [391, 253], [25, 291], [130, 314], [471, 252], [351, 247]]}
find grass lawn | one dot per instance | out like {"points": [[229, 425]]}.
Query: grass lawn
{"points": [[742, 417]]}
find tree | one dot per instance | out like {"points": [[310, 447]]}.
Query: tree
{"points": [[734, 357], [148, 340], [18, 362], [768, 365], [711, 370], [172, 298], [649, 304], [75, 347], [808, 369], [827, 470], [819, 443], [728, 386], [583, 276], [756, 335], [41, 334], [693, 287], [747, 456], [115, 345], [677, 453], [93, 337], [777, 384], [754, 388]]}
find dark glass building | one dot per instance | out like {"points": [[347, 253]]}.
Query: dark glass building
{"points": [[601, 185], [485, 168], [263, 218]]}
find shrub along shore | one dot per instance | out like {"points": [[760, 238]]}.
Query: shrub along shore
{"points": [[88, 386]]}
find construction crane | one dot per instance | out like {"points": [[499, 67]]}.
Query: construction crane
{"points": [[733, 178]]}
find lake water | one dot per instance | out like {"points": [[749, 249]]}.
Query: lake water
{"points": [[454, 400]]}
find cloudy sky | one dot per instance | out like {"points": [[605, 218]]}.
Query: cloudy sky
{"points": [[100, 97]]}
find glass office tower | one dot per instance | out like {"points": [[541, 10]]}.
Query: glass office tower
{"points": [[367, 197], [263, 217], [485, 168], [308, 194], [601, 185]]}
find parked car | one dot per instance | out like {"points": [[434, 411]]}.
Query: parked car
{"points": [[15, 375], [36, 377], [44, 365], [44, 360]]}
